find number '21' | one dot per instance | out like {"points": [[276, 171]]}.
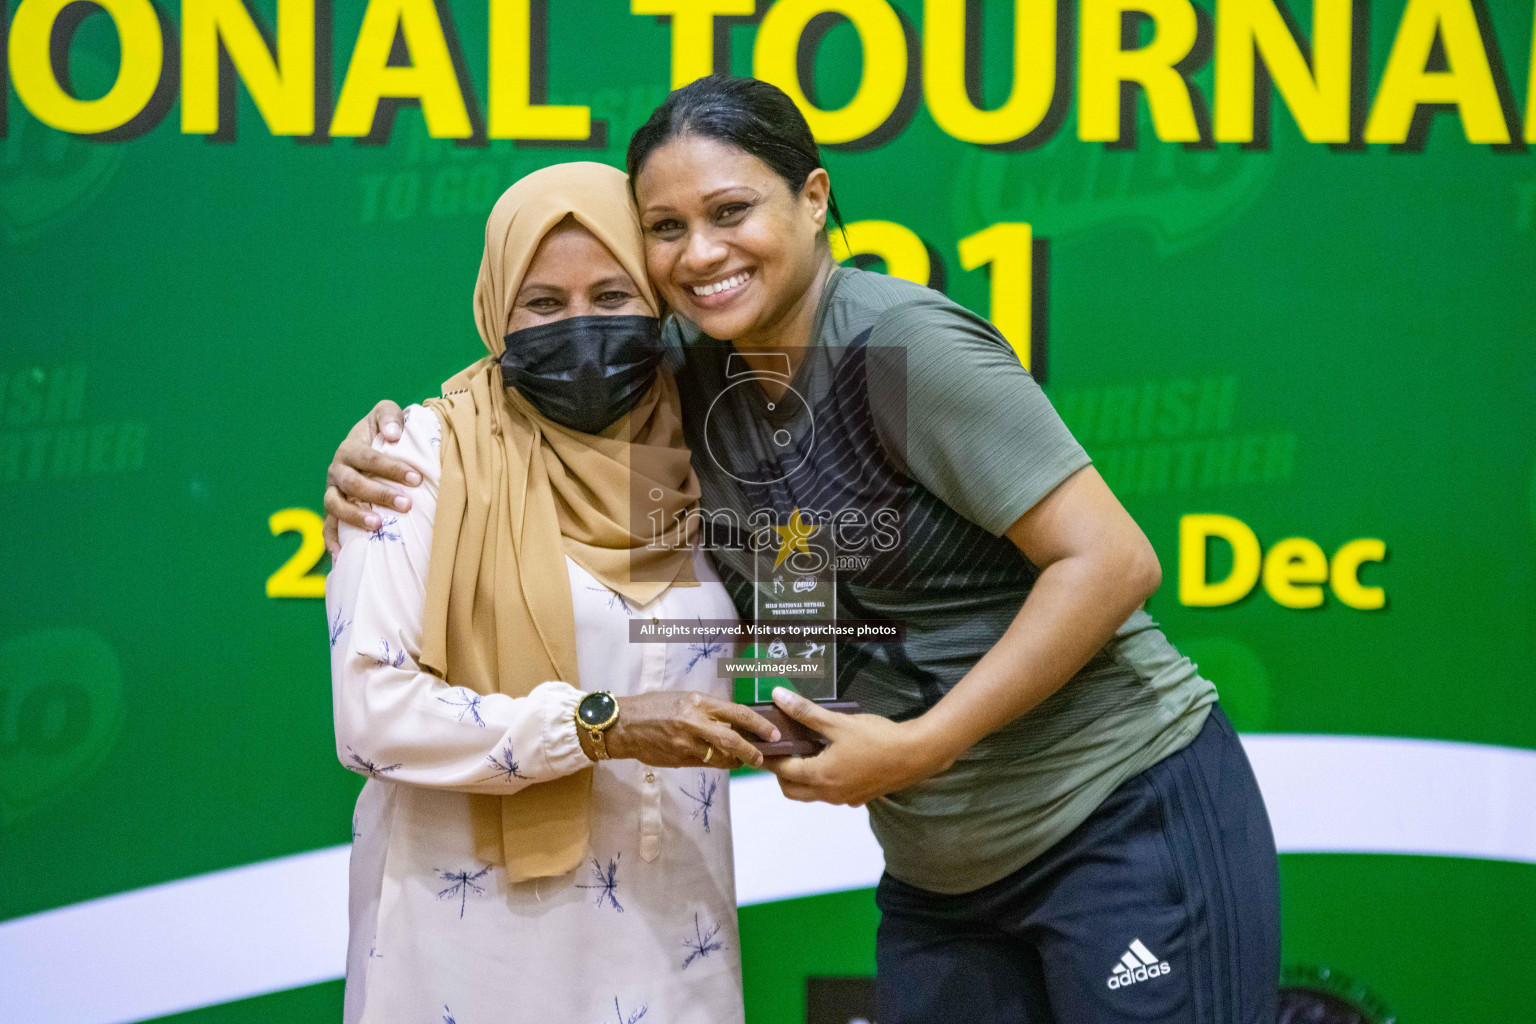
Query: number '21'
{"points": [[1008, 252], [296, 577]]}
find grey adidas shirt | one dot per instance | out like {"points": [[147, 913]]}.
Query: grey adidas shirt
{"points": [[912, 417]]}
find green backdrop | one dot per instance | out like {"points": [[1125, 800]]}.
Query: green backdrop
{"points": [[1319, 340]]}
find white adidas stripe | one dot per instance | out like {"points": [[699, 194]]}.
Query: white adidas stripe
{"points": [[282, 923]]}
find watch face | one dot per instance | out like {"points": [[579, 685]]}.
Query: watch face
{"points": [[596, 709]]}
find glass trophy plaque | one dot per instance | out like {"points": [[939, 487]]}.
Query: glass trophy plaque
{"points": [[794, 603]]}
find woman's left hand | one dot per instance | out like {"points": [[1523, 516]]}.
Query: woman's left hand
{"points": [[867, 757]]}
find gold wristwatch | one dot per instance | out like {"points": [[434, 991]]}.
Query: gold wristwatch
{"points": [[597, 713]]}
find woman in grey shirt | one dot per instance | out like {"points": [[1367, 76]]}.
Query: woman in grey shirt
{"points": [[1071, 829]]}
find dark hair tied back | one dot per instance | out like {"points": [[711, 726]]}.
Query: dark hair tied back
{"points": [[747, 113]]}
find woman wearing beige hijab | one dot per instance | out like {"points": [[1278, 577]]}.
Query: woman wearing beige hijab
{"points": [[544, 834]]}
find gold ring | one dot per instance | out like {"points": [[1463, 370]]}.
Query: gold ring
{"points": [[709, 752]]}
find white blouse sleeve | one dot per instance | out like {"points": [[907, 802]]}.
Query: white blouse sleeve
{"points": [[397, 722]]}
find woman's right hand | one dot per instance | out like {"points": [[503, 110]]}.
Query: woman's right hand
{"points": [[676, 728], [357, 475]]}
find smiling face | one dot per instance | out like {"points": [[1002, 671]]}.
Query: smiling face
{"points": [[573, 274], [727, 243]]}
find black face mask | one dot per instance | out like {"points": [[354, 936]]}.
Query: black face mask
{"points": [[584, 372]]}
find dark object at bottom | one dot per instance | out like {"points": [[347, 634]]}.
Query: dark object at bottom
{"points": [[1299, 1005], [796, 740], [839, 1000]]}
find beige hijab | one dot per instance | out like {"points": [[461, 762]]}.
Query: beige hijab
{"points": [[519, 493]]}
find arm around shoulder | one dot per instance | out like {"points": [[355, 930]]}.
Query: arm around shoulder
{"points": [[359, 474]]}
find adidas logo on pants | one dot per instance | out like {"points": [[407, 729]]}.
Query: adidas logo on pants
{"points": [[1136, 964]]}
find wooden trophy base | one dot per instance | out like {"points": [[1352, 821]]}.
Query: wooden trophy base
{"points": [[796, 740]]}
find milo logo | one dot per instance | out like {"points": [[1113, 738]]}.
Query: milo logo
{"points": [[1179, 196], [61, 703], [47, 175]]}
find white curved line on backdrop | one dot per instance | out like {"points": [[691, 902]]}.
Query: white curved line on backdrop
{"points": [[282, 923], [1376, 794]]}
